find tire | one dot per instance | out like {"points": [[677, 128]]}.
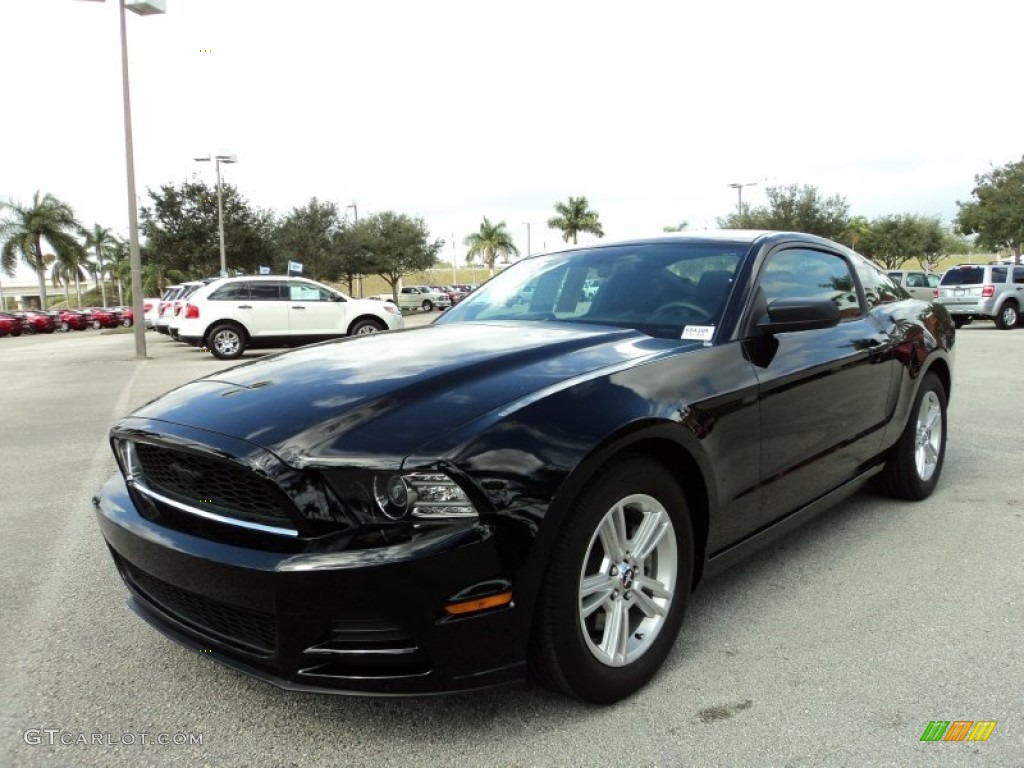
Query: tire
{"points": [[65, 326], [1008, 316], [959, 321], [427, 305], [913, 468], [226, 342], [363, 327], [126, 322], [97, 324], [594, 581]]}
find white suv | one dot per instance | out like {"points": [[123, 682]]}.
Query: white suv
{"points": [[233, 313]]}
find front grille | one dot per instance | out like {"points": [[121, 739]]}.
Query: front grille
{"points": [[242, 627], [207, 483]]}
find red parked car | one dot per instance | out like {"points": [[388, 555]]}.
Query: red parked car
{"points": [[101, 317], [9, 325], [127, 315], [33, 321], [70, 319]]}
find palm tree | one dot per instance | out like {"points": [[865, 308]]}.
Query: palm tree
{"points": [[120, 265], [25, 229], [101, 242], [62, 273], [492, 241], [575, 217]]}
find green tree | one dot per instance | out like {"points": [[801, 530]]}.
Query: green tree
{"points": [[794, 209], [308, 235], [181, 228], [100, 241], [26, 227], [680, 227], [996, 214], [63, 272], [575, 216], [490, 242], [392, 245], [856, 230], [893, 240]]}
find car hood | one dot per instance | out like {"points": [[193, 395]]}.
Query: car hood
{"points": [[383, 395]]}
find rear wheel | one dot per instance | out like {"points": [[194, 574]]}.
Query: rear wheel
{"points": [[366, 326], [65, 326], [1007, 317], [612, 600], [226, 342], [97, 324], [915, 464], [126, 322], [427, 305]]}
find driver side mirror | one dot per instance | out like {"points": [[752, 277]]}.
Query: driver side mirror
{"points": [[798, 314]]}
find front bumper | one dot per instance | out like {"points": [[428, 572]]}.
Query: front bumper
{"points": [[363, 621]]}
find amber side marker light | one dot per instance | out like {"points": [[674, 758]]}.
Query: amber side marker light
{"points": [[480, 604]]}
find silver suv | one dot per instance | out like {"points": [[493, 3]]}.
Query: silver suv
{"points": [[990, 291]]}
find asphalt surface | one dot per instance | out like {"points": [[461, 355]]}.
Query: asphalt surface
{"points": [[835, 647]]}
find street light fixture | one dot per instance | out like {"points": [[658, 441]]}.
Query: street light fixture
{"points": [[355, 210], [220, 205], [142, 8], [738, 186]]}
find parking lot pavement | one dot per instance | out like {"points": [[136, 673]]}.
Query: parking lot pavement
{"points": [[837, 646]]}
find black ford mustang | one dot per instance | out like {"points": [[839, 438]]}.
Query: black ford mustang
{"points": [[537, 481]]}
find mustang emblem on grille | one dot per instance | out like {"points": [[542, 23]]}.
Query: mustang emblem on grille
{"points": [[188, 477]]}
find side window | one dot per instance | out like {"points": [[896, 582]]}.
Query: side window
{"points": [[916, 280], [933, 280], [879, 288], [807, 274], [267, 290], [307, 292], [896, 277], [1018, 275], [998, 275], [231, 292]]}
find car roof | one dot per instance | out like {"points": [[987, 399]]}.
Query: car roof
{"points": [[709, 236]]}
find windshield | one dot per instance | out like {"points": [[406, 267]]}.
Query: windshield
{"points": [[656, 288]]}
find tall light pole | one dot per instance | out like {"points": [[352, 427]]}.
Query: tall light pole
{"points": [[527, 223], [220, 205], [738, 186], [142, 8], [355, 210]]}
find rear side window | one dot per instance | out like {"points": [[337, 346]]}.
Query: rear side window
{"points": [[965, 276], [1018, 275], [231, 292], [879, 287], [999, 274], [267, 291]]}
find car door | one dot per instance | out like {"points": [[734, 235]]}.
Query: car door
{"points": [[823, 393], [265, 314], [313, 310], [917, 285]]}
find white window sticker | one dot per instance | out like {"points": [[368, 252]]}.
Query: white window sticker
{"points": [[698, 332]]}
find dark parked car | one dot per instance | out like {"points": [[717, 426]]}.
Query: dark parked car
{"points": [[10, 325], [527, 488]]}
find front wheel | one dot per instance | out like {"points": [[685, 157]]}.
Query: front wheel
{"points": [[427, 305], [126, 322], [1007, 317], [912, 470], [226, 342], [612, 600], [959, 321], [364, 327], [97, 324], [65, 326]]}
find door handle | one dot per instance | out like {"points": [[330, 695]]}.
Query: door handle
{"points": [[245, 306], [299, 307]]}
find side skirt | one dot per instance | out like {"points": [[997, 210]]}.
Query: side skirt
{"points": [[726, 558]]}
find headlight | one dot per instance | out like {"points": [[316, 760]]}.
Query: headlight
{"points": [[128, 459], [421, 495]]}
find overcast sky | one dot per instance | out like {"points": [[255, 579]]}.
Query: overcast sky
{"points": [[456, 110]]}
